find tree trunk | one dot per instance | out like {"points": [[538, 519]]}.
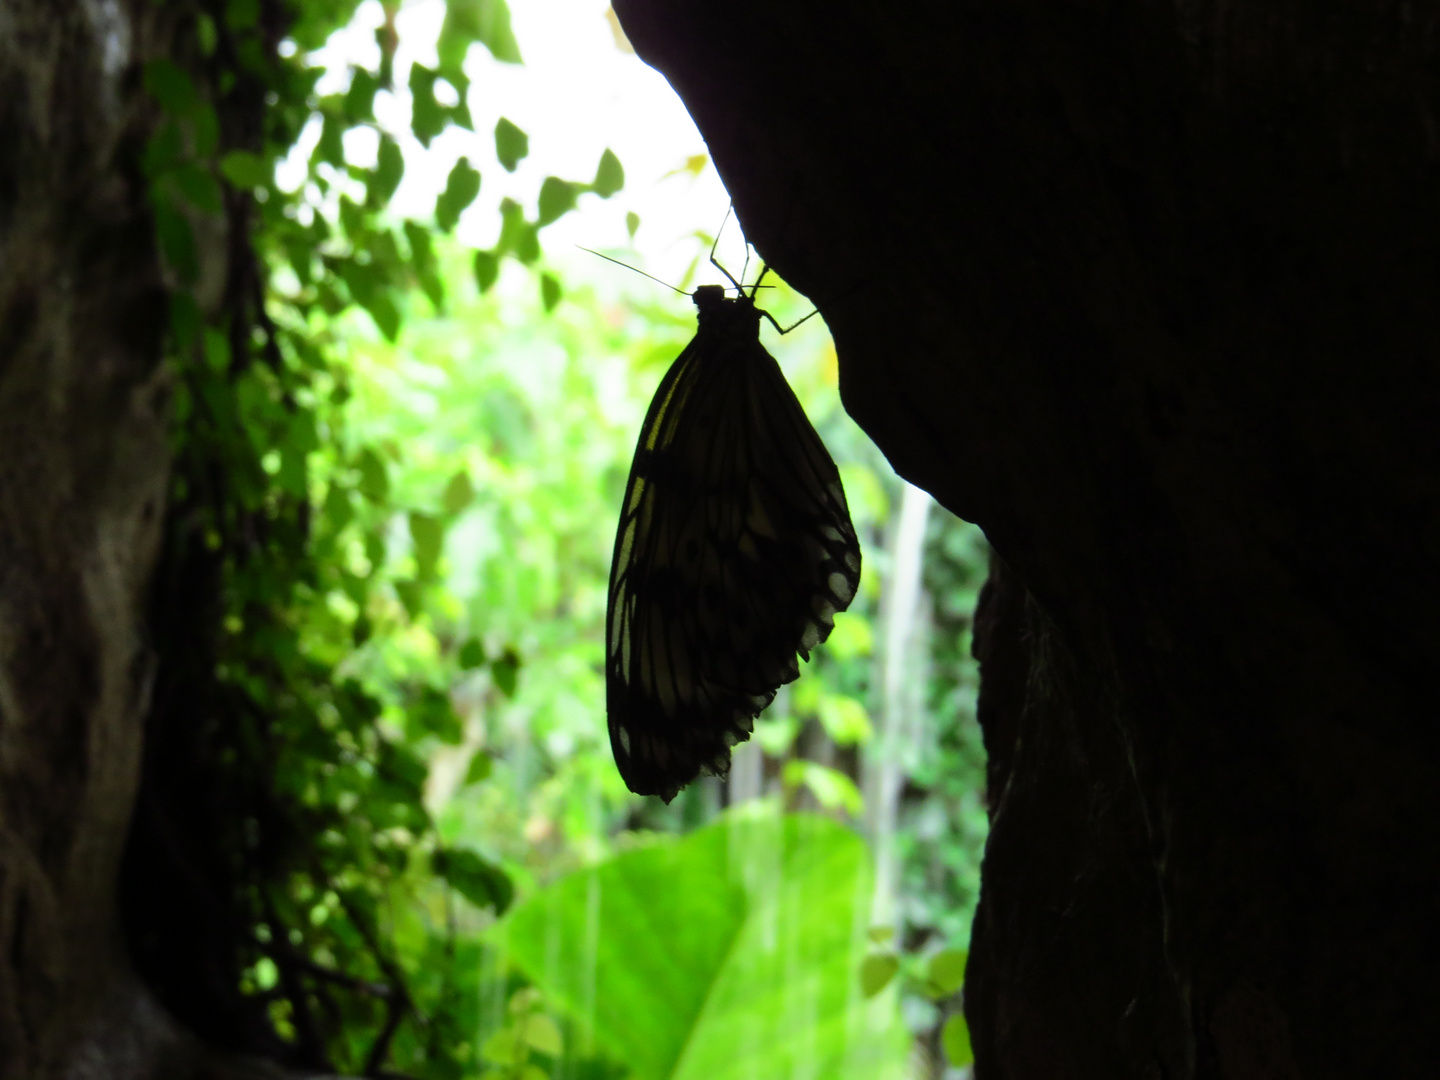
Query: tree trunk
{"points": [[1151, 292], [83, 469]]}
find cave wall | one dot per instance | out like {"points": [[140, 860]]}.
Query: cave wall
{"points": [[1148, 291]]}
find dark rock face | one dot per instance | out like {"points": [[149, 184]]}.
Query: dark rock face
{"points": [[1152, 293]]}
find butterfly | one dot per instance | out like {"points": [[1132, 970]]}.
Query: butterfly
{"points": [[734, 552]]}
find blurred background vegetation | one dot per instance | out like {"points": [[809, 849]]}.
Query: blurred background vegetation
{"points": [[379, 796]]}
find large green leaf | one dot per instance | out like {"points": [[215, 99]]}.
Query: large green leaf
{"points": [[733, 954]]}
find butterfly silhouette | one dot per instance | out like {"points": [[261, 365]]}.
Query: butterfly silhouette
{"points": [[734, 552]]}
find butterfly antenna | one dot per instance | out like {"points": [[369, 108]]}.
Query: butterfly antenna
{"points": [[627, 266]]}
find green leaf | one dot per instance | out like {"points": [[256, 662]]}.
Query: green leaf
{"points": [[481, 882], [480, 768], [946, 970], [164, 149], [337, 511], [880, 934], [728, 955], [487, 269], [549, 291], [245, 170], [485, 21], [411, 596], [200, 189], [460, 191], [402, 770], [170, 86], [609, 177], [832, 789], [177, 242], [374, 482], [242, 14], [184, 319], [216, 347], [955, 1039], [542, 1034], [205, 126], [472, 654], [331, 147], [557, 197], [360, 97], [845, 719], [511, 144], [632, 223], [876, 971], [459, 493], [427, 535], [206, 33], [503, 1047], [427, 116], [380, 306], [432, 714], [389, 168], [505, 670]]}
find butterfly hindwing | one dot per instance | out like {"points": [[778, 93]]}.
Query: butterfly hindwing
{"points": [[734, 552]]}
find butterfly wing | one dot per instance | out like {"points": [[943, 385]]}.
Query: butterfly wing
{"points": [[735, 550]]}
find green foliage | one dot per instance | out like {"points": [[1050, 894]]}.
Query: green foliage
{"points": [[287, 512], [382, 611], [731, 953]]}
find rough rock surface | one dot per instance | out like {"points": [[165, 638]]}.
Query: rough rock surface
{"points": [[1152, 293]]}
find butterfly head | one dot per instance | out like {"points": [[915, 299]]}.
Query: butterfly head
{"points": [[726, 315]]}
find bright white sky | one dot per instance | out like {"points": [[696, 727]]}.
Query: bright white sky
{"points": [[577, 93]]}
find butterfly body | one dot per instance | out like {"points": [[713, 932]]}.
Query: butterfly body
{"points": [[734, 552]]}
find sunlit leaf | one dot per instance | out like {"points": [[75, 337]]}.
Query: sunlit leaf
{"points": [[845, 719], [505, 670], [427, 536], [832, 789], [876, 971], [946, 970], [331, 147], [427, 116], [480, 767], [549, 291], [728, 955], [360, 97], [485, 21], [472, 654], [487, 269], [459, 493], [557, 198], [374, 481], [955, 1039], [389, 168], [461, 188], [511, 144], [609, 177], [632, 223], [543, 1034], [502, 1047]]}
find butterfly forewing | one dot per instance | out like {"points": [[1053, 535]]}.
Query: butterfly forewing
{"points": [[734, 552]]}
